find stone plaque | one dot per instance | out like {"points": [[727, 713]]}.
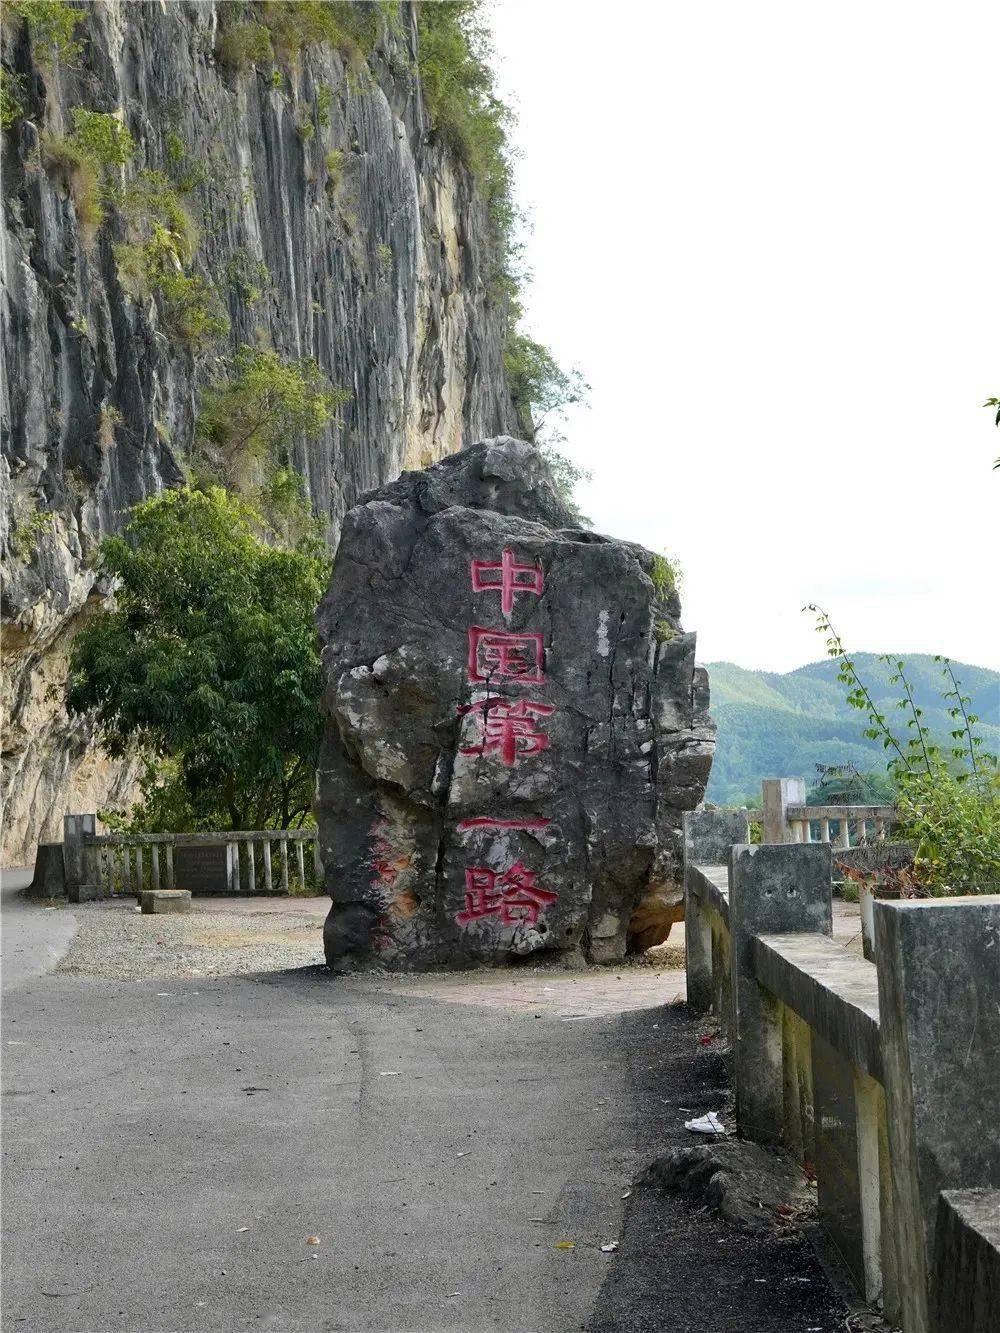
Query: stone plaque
{"points": [[206, 868], [837, 1155]]}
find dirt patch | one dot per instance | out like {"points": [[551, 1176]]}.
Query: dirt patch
{"points": [[124, 945], [719, 1237]]}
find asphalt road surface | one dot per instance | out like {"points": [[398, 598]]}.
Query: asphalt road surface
{"points": [[170, 1147], [459, 1147]]}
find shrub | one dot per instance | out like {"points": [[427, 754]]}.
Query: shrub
{"points": [[458, 90], [52, 25], [102, 137], [29, 526], [324, 96], [295, 25], [151, 205], [663, 574], [248, 278], [83, 178], [98, 142], [334, 161], [192, 310], [243, 45], [162, 240], [948, 801], [249, 412], [11, 98]]}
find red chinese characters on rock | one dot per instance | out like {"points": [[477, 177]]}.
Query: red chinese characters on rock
{"points": [[508, 728], [511, 578], [500, 655], [510, 895]]}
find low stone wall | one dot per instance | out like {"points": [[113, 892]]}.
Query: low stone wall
{"points": [[884, 1077]]}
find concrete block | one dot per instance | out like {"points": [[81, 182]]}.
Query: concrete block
{"points": [[165, 900], [939, 1006], [709, 834], [966, 1279], [86, 893], [49, 880], [772, 889]]}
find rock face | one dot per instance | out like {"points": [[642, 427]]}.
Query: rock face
{"points": [[330, 225], [515, 725]]}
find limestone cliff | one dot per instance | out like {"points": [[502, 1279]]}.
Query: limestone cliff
{"points": [[330, 224]]}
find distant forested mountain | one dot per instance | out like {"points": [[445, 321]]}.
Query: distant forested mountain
{"points": [[773, 725]]}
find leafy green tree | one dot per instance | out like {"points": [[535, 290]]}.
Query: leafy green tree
{"points": [[208, 663], [538, 384]]}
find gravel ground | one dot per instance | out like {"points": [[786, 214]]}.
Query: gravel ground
{"points": [[120, 943]]}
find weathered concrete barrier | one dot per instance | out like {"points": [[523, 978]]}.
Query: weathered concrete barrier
{"points": [[708, 836], [883, 1077], [966, 1288], [938, 965], [165, 900]]}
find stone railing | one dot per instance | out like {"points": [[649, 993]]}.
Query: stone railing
{"points": [[263, 861], [785, 817], [883, 1076]]}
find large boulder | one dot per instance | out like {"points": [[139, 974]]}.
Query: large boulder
{"points": [[514, 726]]}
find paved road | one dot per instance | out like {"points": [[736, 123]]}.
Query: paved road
{"points": [[33, 937], [169, 1147]]}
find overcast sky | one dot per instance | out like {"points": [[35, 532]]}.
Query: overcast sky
{"points": [[769, 234]]}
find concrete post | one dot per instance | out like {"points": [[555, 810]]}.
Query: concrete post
{"points": [[939, 1005], [75, 828], [772, 890], [708, 836], [777, 794], [697, 949]]}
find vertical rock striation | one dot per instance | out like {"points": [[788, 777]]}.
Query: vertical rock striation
{"points": [[331, 225]]}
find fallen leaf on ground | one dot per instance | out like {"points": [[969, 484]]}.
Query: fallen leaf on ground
{"points": [[565, 1245], [312, 1240]]}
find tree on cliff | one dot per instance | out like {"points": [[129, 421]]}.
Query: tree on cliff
{"points": [[208, 663]]}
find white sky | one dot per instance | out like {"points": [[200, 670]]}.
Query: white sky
{"points": [[769, 235]]}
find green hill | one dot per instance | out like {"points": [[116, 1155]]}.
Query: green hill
{"points": [[773, 725]]}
